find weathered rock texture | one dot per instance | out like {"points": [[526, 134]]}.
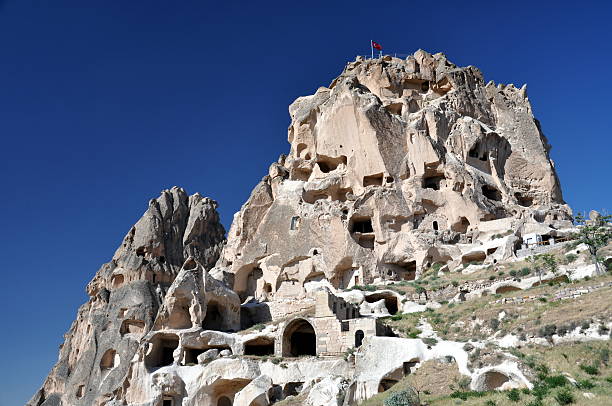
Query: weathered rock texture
{"points": [[399, 164], [125, 296], [397, 167]]}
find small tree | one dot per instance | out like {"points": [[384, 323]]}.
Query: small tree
{"points": [[406, 397], [536, 263], [549, 262], [595, 233], [543, 262]]}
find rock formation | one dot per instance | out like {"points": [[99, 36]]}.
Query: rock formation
{"points": [[398, 167], [125, 296]]}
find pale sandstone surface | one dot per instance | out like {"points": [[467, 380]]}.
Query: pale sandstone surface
{"points": [[125, 296], [398, 165]]}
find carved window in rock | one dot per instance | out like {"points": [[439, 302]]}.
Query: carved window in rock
{"points": [[373, 180], [224, 401], [299, 338], [363, 226], [108, 360], [433, 181], [162, 350], [260, 346], [491, 193], [389, 298], [213, 319], [525, 201], [117, 280], [130, 326], [191, 355], [359, 336], [363, 232], [295, 223]]}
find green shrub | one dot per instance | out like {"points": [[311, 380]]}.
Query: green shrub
{"points": [[490, 403], [455, 283], [468, 347], [259, 326], [406, 397], [569, 258], [464, 383], [590, 369], [604, 355], [586, 384], [540, 390], [562, 330], [535, 402], [513, 272], [413, 332], [609, 379], [430, 341], [514, 395], [467, 394], [524, 271], [494, 324], [543, 369], [367, 288], [565, 396], [548, 330], [555, 381], [492, 277]]}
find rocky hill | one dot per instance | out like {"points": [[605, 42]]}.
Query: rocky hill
{"points": [[390, 253]]}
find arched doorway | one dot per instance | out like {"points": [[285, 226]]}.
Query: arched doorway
{"points": [[213, 319], [224, 401], [359, 338], [299, 339]]}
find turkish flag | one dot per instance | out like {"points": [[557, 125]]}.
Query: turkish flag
{"points": [[376, 45]]}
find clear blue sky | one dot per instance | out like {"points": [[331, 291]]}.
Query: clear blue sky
{"points": [[105, 103]]}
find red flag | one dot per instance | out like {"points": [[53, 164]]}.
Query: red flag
{"points": [[376, 45]]}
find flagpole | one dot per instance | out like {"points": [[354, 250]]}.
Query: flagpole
{"points": [[372, 49]]}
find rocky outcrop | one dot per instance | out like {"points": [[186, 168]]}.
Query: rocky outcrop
{"points": [[125, 296], [396, 166], [399, 167]]}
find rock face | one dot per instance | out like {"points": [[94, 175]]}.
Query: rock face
{"points": [[126, 294], [398, 167]]}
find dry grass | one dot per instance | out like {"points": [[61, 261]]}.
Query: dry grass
{"points": [[472, 319], [559, 359], [298, 400], [441, 378]]}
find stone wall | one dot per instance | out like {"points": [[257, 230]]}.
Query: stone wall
{"points": [[567, 293], [540, 249]]}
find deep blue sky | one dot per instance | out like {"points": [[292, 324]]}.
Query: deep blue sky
{"points": [[105, 103]]}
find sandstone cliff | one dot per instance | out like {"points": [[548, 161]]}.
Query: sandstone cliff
{"points": [[398, 168], [398, 165], [125, 296]]}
